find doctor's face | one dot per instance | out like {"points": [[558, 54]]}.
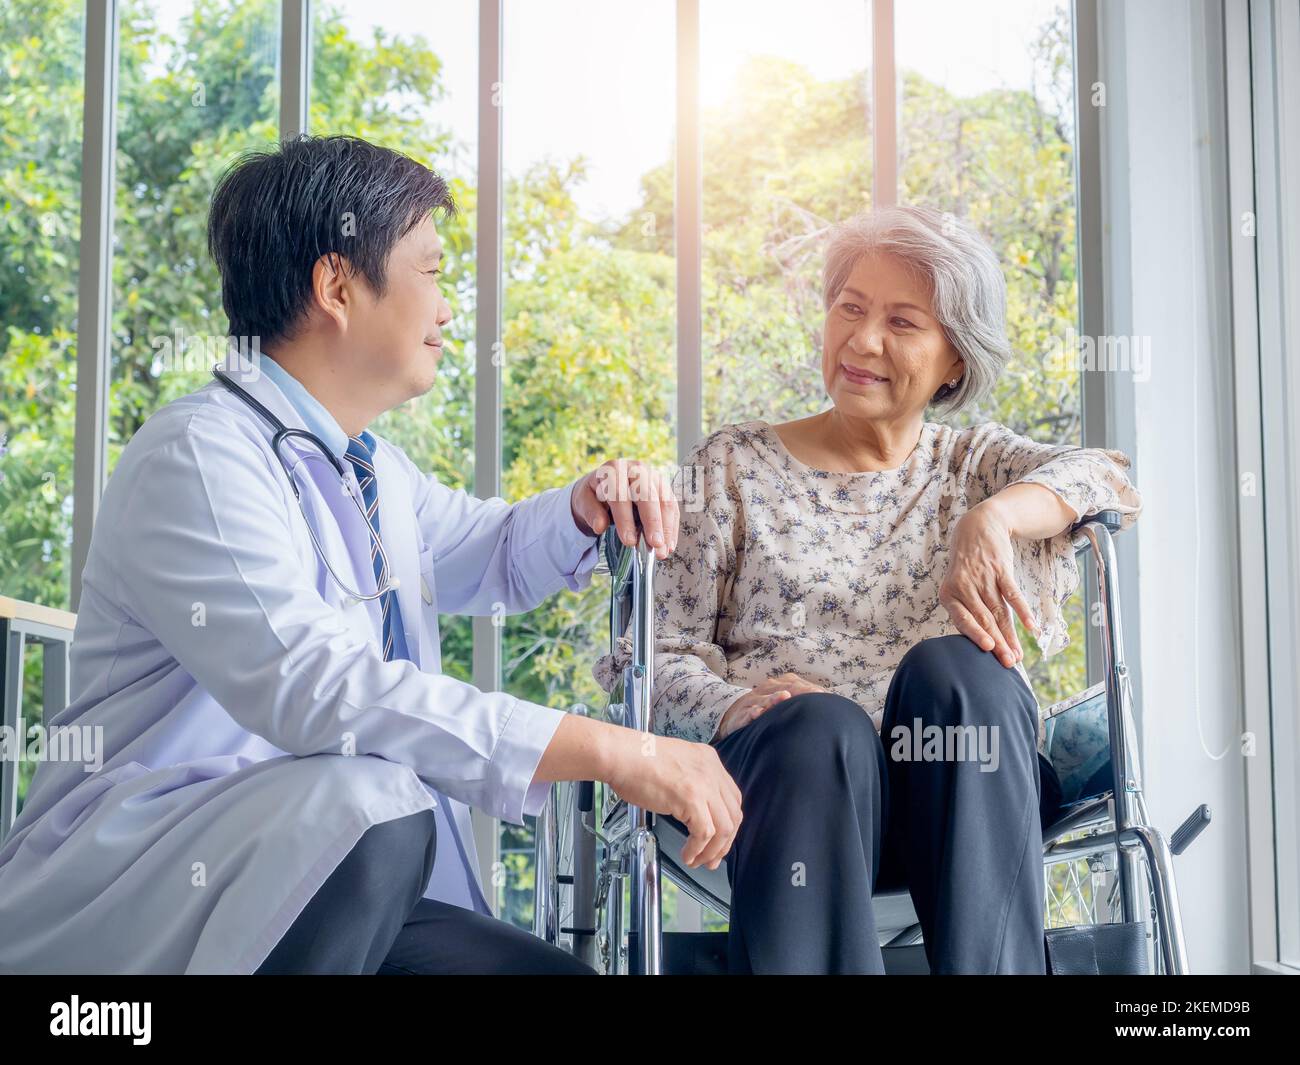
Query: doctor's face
{"points": [[394, 341]]}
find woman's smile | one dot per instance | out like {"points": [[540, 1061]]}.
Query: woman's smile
{"points": [[861, 377]]}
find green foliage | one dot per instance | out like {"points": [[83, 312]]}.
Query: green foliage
{"points": [[40, 193]]}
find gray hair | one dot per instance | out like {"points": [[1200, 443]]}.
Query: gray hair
{"points": [[967, 288]]}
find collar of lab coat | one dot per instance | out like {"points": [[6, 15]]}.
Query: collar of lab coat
{"points": [[318, 418], [397, 522]]}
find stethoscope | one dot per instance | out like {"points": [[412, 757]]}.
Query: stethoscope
{"points": [[283, 433]]}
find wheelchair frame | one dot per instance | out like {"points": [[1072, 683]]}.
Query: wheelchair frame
{"points": [[572, 828]]}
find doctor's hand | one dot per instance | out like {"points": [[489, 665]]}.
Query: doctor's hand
{"points": [[620, 490], [684, 779]]}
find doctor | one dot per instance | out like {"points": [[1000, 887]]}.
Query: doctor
{"points": [[287, 775]]}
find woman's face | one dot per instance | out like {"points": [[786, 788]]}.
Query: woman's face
{"points": [[884, 354]]}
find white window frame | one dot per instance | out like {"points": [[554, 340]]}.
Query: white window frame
{"points": [[1263, 125]]}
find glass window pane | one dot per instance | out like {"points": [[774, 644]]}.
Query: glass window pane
{"points": [[376, 74], [199, 82], [42, 55], [987, 133], [786, 152], [588, 352]]}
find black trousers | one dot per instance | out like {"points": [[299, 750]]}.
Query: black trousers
{"points": [[369, 917], [833, 810]]}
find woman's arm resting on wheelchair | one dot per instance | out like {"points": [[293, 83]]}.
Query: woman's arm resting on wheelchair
{"points": [[1012, 552], [979, 590]]}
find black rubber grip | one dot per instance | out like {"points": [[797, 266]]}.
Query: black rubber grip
{"points": [[1109, 518], [1195, 824]]}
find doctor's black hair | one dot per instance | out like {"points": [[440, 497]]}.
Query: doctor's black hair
{"points": [[276, 211]]}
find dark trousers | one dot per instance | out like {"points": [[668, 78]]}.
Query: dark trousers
{"points": [[369, 917], [833, 810]]}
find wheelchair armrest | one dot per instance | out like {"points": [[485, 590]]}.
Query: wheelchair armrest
{"points": [[1109, 518]]}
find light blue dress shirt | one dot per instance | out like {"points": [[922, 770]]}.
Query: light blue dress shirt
{"points": [[321, 422], [314, 415]]}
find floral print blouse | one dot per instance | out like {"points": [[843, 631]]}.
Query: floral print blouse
{"points": [[781, 567]]}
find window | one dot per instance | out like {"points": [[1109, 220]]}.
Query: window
{"points": [[199, 82], [42, 53], [986, 132], [587, 351], [1265, 255], [786, 147], [375, 73]]}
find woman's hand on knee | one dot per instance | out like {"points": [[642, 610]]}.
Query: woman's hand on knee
{"points": [[761, 698]]}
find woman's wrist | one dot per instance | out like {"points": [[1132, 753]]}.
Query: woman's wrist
{"points": [[996, 511], [1027, 511]]}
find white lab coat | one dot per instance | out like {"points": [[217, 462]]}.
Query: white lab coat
{"points": [[251, 730]]}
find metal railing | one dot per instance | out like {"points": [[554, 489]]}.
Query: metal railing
{"points": [[22, 623]]}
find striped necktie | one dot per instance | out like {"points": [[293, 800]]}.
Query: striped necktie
{"points": [[361, 453]]}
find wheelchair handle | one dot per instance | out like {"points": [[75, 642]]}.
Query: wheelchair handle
{"points": [[1112, 519], [610, 546]]}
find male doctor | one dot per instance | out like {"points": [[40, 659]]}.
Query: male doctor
{"points": [[287, 774]]}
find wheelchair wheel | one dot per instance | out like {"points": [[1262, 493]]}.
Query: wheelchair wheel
{"points": [[566, 871]]}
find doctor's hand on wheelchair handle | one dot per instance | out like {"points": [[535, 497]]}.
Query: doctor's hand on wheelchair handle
{"points": [[761, 698], [623, 490]]}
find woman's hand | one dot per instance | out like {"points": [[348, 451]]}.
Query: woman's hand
{"points": [[760, 698], [979, 584]]}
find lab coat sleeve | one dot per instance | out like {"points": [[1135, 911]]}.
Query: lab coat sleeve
{"points": [[205, 565], [492, 557]]}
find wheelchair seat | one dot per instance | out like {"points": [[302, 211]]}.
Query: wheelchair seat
{"points": [[711, 887]]}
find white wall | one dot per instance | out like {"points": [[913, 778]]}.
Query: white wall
{"points": [[1167, 266]]}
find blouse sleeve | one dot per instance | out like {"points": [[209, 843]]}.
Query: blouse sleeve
{"points": [[1088, 480], [692, 589]]}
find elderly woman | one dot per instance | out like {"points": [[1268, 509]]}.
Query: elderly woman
{"points": [[849, 583]]}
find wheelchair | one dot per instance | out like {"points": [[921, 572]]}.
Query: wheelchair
{"points": [[592, 846]]}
